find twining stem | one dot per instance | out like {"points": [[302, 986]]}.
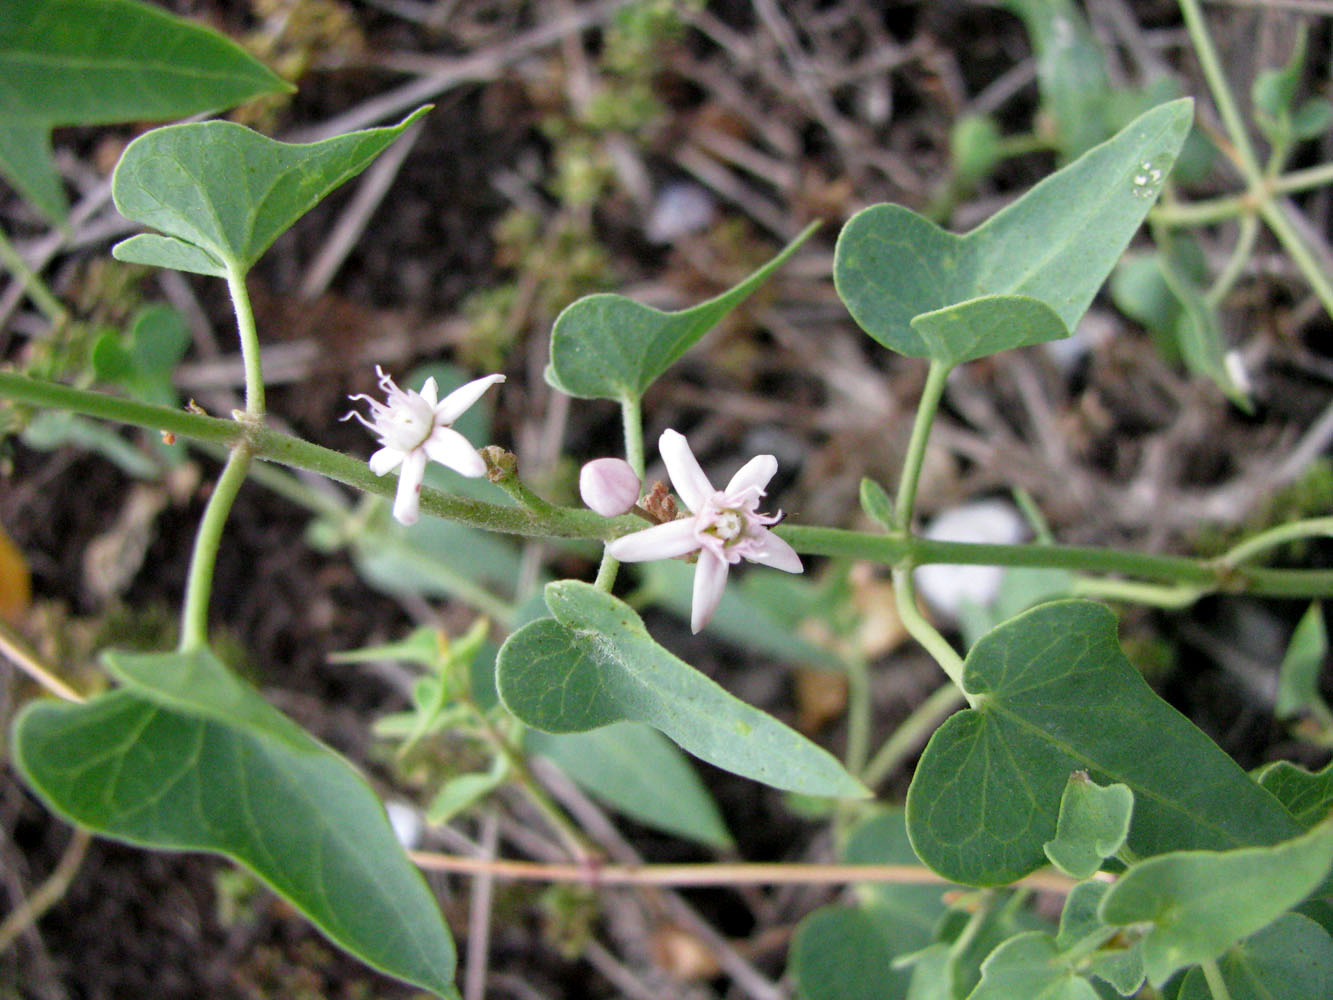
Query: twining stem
{"points": [[904, 589], [52, 308], [1210, 575], [199, 587], [249, 337], [1217, 84]]}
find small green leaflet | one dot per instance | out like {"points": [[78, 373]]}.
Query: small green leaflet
{"points": [[1093, 824]]}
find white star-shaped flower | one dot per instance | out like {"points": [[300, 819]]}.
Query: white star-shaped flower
{"points": [[724, 526], [413, 428]]}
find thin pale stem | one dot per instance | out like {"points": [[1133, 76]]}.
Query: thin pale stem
{"points": [[1210, 210], [49, 893], [33, 285], [23, 656], [199, 587], [249, 337], [574, 840], [1221, 91], [738, 873], [1235, 266], [1271, 210], [911, 733], [1299, 251], [1153, 595]]}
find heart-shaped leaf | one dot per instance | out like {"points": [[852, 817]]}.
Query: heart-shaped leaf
{"points": [[594, 663], [610, 347], [93, 62], [186, 757], [1056, 244], [221, 194], [1199, 903], [1054, 695]]}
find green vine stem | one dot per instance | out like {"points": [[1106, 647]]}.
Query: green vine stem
{"points": [[1283, 534], [249, 337], [903, 587], [33, 286], [199, 587], [1217, 986], [567, 522], [1211, 210], [1260, 185]]}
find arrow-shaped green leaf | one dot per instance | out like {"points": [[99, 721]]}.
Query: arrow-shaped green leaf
{"points": [[186, 757], [610, 347], [1056, 244], [221, 194], [92, 62]]}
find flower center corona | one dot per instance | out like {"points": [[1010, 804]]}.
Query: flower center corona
{"points": [[729, 526]]}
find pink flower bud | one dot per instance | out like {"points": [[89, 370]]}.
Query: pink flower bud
{"points": [[609, 486]]}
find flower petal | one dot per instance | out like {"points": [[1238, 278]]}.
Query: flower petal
{"points": [[430, 392], [446, 446], [662, 541], [754, 474], [683, 468], [710, 579], [770, 550], [454, 405], [406, 501], [385, 460]]}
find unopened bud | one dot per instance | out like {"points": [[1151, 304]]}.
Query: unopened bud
{"points": [[609, 486]]}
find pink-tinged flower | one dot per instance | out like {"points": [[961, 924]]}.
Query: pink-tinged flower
{"points": [[413, 429], [724, 526], [609, 486]]}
